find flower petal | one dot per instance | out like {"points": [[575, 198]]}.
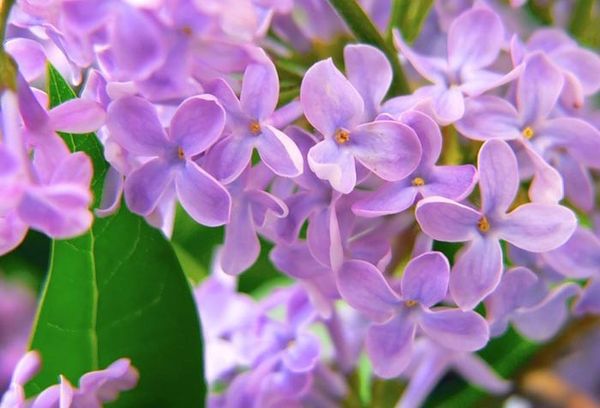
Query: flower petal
{"points": [[538, 227], [390, 346], [448, 105], [334, 164], [498, 176], [476, 272], [387, 148], [431, 68], [260, 89], [453, 182], [446, 220], [228, 158], [579, 257], [425, 279], [474, 39], [581, 139], [77, 116], [279, 152], [455, 329], [489, 117], [197, 124], [371, 74], [363, 286], [145, 185], [392, 198], [329, 100], [241, 246], [202, 197], [133, 123]]}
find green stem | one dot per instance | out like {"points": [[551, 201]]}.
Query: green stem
{"points": [[364, 30], [408, 16], [8, 67], [580, 17]]}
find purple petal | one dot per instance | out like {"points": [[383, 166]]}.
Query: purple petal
{"points": [[455, 329], [134, 124], [476, 371], [498, 176], [145, 186], [12, 232], [543, 321], [202, 197], [371, 74], [260, 90], [446, 220], [197, 124], [29, 55], [241, 247], [474, 39], [425, 279], [581, 139], [279, 152], [538, 89], [449, 105], [228, 158], [431, 68], [297, 261], [477, 82], [584, 64], [333, 163], [390, 346], [365, 289], [578, 183], [392, 198], [330, 101], [429, 135], [489, 117], [579, 257], [389, 149], [77, 116], [547, 184], [476, 272], [302, 355], [538, 227], [453, 182], [263, 203]]}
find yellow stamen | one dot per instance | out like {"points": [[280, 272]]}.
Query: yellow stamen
{"points": [[187, 31], [528, 132], [254, 127], [418, 182], [483, 224], [410, 303], [180, 153], [342, 136]]}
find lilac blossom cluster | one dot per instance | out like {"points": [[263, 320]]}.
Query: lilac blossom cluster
{"points": [[495, 149]]}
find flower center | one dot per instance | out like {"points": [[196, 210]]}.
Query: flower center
{"points": [[483, 224], [418, 182], [187, 30], [180, 153], [254, 127], [410, 303], [528, 132], [342, 136]]}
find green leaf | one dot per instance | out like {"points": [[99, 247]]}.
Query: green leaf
{"points": [[408, 16], [364, 30], [118, 291]]}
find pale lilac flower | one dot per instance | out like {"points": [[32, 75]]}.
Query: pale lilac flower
{"points": [[432, 361], [454, 182], [474, 42], [522, 299], [195, 126], [531, 124], [250, 125], [535, 227], [397, 316], [341, 110]]}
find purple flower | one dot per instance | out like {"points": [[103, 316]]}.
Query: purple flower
{"points": [[535, 312], [397, 316], [474, 42], [454, 182], [535, 227], [532, 125], [250, 124], [338, 108], [195, 126]]}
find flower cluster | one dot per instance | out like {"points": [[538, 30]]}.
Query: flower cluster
{"points": [[358, 189]]}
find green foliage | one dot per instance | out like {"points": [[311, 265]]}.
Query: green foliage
{"points": [[118, 291], [408, 16]]}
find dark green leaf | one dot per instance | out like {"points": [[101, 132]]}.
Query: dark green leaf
{"points": [[408, 16], [118, 291]]}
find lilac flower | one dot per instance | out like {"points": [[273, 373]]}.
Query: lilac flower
{"points": [[454, 182], [195, 126], [474, 41], [535, 312], [535, 227], [397, 316], [338, 108], [531, 124], [95, 388], [250, 124], [431, 361]]}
